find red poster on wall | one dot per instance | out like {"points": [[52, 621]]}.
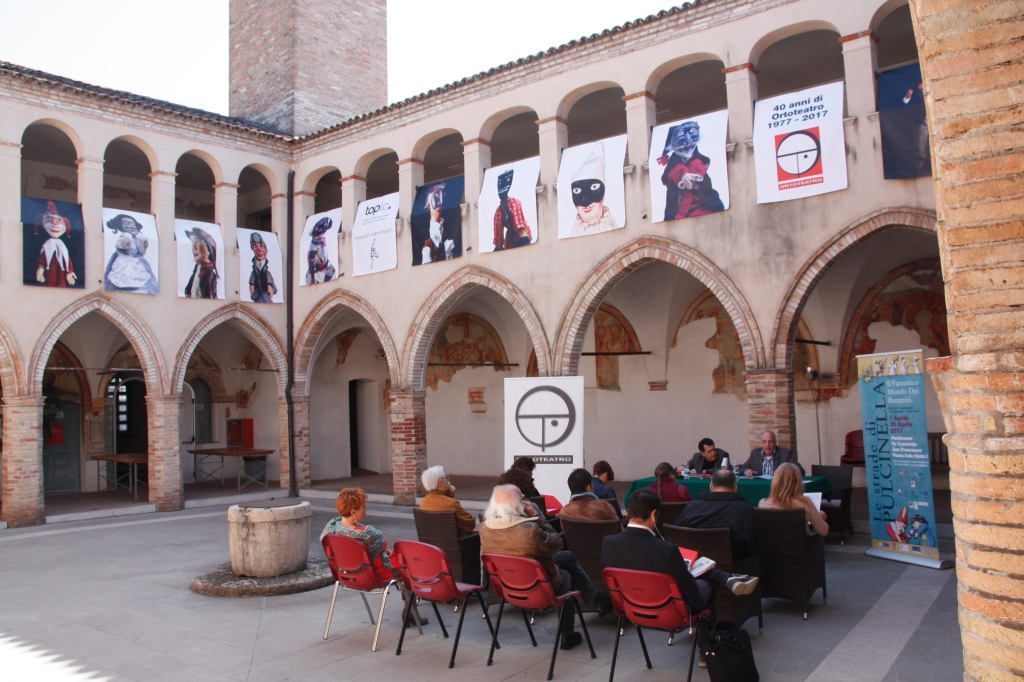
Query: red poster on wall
{"points": [[55, 436]]}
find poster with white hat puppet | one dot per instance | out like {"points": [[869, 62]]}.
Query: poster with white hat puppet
{"points": [[200, 260], [260, 272], [131, 252], [319, 246], [591, 196], [688, 167]]}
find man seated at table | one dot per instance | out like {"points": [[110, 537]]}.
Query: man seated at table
{"points": [[705, 460], [763, 461], [639, 548], [723, 507], [583, 503], [512, 526], [441, 497]]}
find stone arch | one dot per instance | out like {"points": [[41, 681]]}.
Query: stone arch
{"points": [[312, 328], [309, 182], [12, 375], [659, 72], [819, 263], [565, 106], [72, 134], [883, 11], [209, 160], [494, 120], [272, 180], [769, 39], [362, 167], [122, 317], [614, 268], [446, 295], [419, 150], [271, 344], [141, 145]]}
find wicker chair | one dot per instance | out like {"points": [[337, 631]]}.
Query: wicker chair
{"points": [[838, 509], [715, 543], [792, 562], [441, 529], [668, 513], [584, 539], [854, 450]]}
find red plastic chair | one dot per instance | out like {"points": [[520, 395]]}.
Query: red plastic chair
{"points": [[426, 573], [649, 600], [522, 582], [352, 569]]}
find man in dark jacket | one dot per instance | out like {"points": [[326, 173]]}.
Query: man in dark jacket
{"points": [[723, 507]]}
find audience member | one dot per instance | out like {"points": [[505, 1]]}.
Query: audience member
{"points": [[706, 459], [666, 487], [603, 476], [765, 460], [441, 497], [583, 503], [723, 507], [520, 474], [788, 493]]}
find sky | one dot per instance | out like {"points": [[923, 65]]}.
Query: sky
{"points": [[178, 50]]}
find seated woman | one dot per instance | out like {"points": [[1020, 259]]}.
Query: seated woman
{"points": [[351, 504], [441, 497], [520, 474], [666, 487], [788, 493], [603, 476]]}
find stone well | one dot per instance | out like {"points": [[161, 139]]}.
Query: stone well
{"points": [[268, 541]]}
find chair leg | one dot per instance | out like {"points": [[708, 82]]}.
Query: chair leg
{"points": [[437, 612], [558, 634], [615, 649], [368, 611], [458, 631], [760, 624], [643, 645], [330, 613], [529, 628], [494, 635], [583, 623], [487, 618], [693, 654], [405, 625], [380, 615]]}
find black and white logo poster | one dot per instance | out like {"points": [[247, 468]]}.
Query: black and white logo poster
{"points": [[374, 239]]}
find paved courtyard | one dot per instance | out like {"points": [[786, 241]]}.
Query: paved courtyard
{"points": [[109, 600]]}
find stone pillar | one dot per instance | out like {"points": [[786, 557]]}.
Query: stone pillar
{"points": [[353, 190], [553, 136], [860, 61], [166, 482], [476, 156], [95, 439], [300, 423], [225, 213], [771, 406], [305, 204], [971, 63], [90, 195], [408, 442], [10, 213], [741, 90], [23, 460], [410, 176], [640, 118]]}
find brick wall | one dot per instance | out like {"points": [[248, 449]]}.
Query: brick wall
{"points": [[770, 405], [165, 474], [973, 65], [23, 460], [408, 442]]}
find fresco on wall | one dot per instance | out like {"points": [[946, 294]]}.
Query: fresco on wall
{"points": [[343, 343], [131, 251], [532, 368], [687, 166], [437, 221], [53, 244], [910, 296], [464, 341], [728, 376], [612, 334], [64, 379]]}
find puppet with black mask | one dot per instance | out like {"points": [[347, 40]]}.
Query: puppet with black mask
{"points": [[510, 227], [592, 216], [688, 187]]}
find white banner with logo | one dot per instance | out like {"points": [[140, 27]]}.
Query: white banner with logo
{"points": [[799, 148], [544, 420], [374, 239]]}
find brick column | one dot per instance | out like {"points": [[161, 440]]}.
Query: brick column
{"points": [[300, 422], [973, 74], [640, 117], [741, 89], [23, 460], [408, 442], [165, 473], [771, 406]]}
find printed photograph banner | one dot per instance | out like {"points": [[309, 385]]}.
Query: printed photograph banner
{"points": [[544, 420], [591, 193], [374, 237], [260, 266], [508, 206], [688, 167], [799, 148], [905, 152], [200, 250], [899, 474], [319, 244], [437, 221], [131, 251], [53, 244]]}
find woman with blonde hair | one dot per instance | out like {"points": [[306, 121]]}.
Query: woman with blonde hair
{"points": [[788, 493]]}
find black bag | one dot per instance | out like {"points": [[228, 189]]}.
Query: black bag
{"points": [[728, 653]]}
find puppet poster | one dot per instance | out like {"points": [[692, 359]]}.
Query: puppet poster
{"points": [[688, 167], [200, 260], [508, 206], [260, 270], [131, 252], [437, 221], [591, 196], [53, 244], [799, 146], [905, 152], [319, 246], [374, 237]]}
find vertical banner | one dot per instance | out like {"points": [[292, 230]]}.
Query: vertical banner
{"points": [[899, 475], [544, 420], [508, 206], [259, 266], [437, 221], [374, 238], [131, 251], [319, 244], [53, 244], [799, 147], [688, 168], [905, 152], [591, 193], [200, 259]]}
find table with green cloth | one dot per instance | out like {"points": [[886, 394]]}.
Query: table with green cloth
{"points": [[753, 490]]}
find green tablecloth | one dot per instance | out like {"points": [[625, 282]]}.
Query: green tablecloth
{"points": [[753, 490]]}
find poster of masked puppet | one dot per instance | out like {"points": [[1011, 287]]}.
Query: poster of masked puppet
{"points": [[508, 206], [319, 245], [200, 259], [259, 266], [688, 167], [591, 197], [53, 243], [437, 221], [131, 252]]}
